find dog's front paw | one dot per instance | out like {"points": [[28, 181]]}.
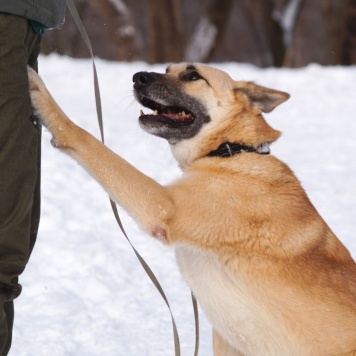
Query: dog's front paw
{"points": [[38, 92], [35, 81], [48, 112], [40, 97]]}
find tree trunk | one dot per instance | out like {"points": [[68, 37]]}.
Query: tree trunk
{"points": [[125, 43], [110, 27], [166, 31], [209, 32], [268, 34], [349, 50], [319, 34]]}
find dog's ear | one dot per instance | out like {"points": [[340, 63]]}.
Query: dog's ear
{"points": [[260, 97]]}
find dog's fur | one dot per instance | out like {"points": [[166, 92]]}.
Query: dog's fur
{"points": [[269, 273]]}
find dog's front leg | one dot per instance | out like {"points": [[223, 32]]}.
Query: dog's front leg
{"points": [[146, 200]]}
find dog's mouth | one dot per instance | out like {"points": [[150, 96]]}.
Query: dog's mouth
{"points": [[172, 115]]}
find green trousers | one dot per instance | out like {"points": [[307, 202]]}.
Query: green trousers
{"points": [[20, 139]]}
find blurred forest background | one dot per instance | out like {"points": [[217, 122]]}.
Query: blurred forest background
{"points": [[289, 33]]}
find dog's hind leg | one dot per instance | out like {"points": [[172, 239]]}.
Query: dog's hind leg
{"points": [[146, 200], [222, 348]]}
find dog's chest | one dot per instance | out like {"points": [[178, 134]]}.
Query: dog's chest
{"points": [[229, 305]]}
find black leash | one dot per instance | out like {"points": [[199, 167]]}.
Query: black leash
{"points": [[145, 266]]}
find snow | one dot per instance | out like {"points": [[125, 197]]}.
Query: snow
{"points": [[84, 292]]}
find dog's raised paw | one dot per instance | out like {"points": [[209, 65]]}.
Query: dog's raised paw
{"points": [[35, 81], [40, 97], [38, 90]]}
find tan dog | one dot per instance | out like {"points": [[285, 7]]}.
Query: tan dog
{"points": [[269, 273]]}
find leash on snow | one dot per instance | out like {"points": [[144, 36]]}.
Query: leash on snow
{"points": [[143, 263]]}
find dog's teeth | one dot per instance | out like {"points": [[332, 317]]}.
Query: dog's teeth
{"points": [[155, 112]]}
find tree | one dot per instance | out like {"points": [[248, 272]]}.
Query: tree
{"points": [[165, 31], [266, 33], [208, 33], [320, 33], [111, 29]]}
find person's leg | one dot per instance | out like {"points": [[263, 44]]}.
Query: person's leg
{"points": [[9, 315], [19, 164]]}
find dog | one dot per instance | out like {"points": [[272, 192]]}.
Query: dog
{"points": [[271, 276]]}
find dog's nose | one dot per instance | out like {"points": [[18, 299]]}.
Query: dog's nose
{"points": [[142, 79]]}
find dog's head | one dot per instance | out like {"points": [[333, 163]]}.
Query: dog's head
{"points": [[197, 107]]}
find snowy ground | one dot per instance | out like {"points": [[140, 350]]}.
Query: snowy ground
{"points": [[84, 292]]}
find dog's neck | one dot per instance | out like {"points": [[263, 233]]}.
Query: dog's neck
{"points": [[187, 153], [229, 149]]}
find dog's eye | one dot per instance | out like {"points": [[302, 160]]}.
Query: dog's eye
{"points": [[192, 76]]}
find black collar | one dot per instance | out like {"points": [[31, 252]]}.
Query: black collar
{"points": [[228, 149]]}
